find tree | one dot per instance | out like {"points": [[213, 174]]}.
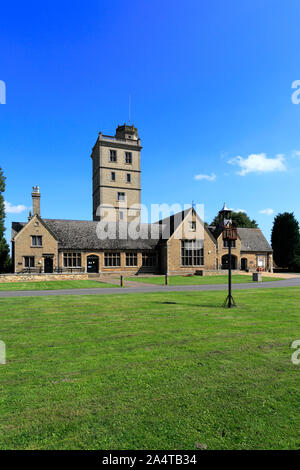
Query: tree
{"points": [[285, 241], [4, 248], [239, 219]]}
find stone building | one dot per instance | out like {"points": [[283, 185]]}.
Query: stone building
{"points": [[250, 251], [177, 244], [117, 174]]}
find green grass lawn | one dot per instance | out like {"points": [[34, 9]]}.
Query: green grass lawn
{"points": [[190, 280], [151, 371], [52, 285]]}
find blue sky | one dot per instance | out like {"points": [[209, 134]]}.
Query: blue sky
{"points": [[210, 85]]}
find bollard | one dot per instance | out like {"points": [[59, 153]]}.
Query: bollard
{"points": [[257, 277], [166, 280], [121, 281]]}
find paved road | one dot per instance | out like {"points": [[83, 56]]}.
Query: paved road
{"points": [[151, 288]]}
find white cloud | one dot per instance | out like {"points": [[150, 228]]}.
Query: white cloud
{"points": [[296, 153], [258, 163], [10, 209], [267, 211], [211, 177], [239, 210]]}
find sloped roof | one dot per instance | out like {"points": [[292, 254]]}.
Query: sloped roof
{"points": [[86, 234], [170, 224], [16, 227], [253, 240], [90, 235]]}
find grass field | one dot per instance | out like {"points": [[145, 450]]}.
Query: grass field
{"points": [[197, 280], [152, 371], [52, 285]]}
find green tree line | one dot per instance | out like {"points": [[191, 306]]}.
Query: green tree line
{"points": [[5, 260]]}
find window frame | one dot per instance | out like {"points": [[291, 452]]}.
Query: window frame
{"points": [[36, 237], [112, 176], [128, 178], [193, 257], [29, 259], [112, 259], [69, 257], [131, 259], [128, 156], [226, 243], [118, 196], [113, 157]]}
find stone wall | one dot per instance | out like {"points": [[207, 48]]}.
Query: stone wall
{"points": [[41, 277], [252, 260]]}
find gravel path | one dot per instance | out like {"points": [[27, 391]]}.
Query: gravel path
{"points": [[140, 289]]}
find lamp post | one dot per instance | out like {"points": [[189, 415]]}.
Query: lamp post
{"points": [[229, 234]]}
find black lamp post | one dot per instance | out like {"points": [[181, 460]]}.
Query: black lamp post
{"points": [[229, 234]]}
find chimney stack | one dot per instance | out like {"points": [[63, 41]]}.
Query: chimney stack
{"points": [[36, 200]]}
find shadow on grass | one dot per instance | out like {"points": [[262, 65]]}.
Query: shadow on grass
{"points": [[204, 305]]}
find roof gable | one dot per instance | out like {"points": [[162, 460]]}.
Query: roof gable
{"points": [[18, 227], [171, 224], [175, 222], [253, 240]]}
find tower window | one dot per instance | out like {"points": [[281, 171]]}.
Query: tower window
{"points": [[113, 155], [128, 157], [128, 176], [113, 176], [121, 196], [121, 215]]}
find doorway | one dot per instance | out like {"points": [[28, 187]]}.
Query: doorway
{"points": [[225, 262], [244, 264], [92, 264], [48, 265]]}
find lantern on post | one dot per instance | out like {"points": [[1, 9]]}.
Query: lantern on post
{"points": [[229, 235]]}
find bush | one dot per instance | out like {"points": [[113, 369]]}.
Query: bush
{"points": [[296, 265], [7, 267]]}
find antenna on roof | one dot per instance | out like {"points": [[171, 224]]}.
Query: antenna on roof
{"points": [[129, 105]]}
